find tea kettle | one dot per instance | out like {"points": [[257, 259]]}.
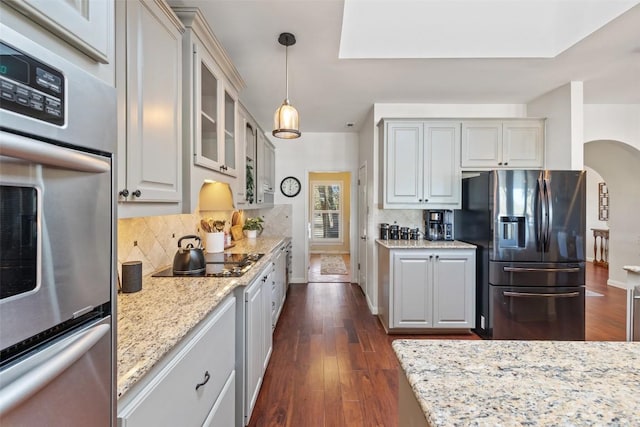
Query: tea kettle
{"points": [[189, 260]]}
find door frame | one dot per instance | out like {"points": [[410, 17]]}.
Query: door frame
{"points": [[346, 216], [363, 228]]}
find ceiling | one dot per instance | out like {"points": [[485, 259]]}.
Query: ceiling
{"points": [[330, 92]]}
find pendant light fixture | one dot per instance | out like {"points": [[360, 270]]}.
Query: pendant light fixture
{"points": [[285, 121]]}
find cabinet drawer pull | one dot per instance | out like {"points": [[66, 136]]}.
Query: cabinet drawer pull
{"points": [[206, 380]]}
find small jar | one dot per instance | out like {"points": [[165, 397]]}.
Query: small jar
{"points": [[394, 232], [404, 233], [384, 231], [414, 234]]}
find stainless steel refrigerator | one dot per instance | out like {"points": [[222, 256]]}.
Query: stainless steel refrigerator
{"points": [[529, 227]]}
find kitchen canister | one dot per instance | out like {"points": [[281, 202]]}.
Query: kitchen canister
{"points": [[414, 234], [131, 276], [214, 242], [404, 233], [394, 232], [384, 231]]}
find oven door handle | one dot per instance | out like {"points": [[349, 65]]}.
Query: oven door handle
{"points": [[38, 377], [542, 270], [536, 295], [35, 151]]}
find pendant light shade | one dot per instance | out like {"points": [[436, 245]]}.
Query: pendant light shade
{"points": [[285, 120]]}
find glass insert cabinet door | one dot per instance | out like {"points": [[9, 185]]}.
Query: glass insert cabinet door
{"points": [[215, 119]]}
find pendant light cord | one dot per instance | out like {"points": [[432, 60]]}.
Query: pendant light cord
{"points": [[286, 71]]}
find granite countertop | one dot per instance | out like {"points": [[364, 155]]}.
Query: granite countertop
{"points": [[534, 383], [424, 244], [152, 321]]}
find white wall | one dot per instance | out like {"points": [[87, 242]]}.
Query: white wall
{"points": [[615, 154], [593, 178], [562, 107], [313, 152], [617, 122], [619, 165]]}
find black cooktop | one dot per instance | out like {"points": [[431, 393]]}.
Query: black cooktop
{"points": [[219, 265]]}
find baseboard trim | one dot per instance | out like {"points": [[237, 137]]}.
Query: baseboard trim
{"points": [[617, 284]]}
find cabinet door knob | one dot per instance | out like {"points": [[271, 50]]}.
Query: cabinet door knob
{"points": [[124, 193], [506, 163], [426, 200], [500, 164], [136, 193], [420, 200], [206, 380]]}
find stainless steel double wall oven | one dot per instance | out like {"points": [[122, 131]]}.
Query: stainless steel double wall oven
{"points": [[57, 233]]}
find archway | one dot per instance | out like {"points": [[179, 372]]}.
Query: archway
{"points": [[619, 165]]}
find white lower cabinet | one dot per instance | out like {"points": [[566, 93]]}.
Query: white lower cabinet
{"points": [[194, 384], [427, 288], [254, 341], [279, 287], [223, 412]]}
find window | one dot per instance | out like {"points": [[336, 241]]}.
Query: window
{"points": [[326, 212]]}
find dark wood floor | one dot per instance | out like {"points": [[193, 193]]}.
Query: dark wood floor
{"points": [[332, 364], [315, 276], [605, 315]]}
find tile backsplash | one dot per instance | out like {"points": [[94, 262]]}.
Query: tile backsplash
{"points": [[154, 239]]}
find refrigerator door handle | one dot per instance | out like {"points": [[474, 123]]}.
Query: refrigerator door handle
{"points": [[540, 211], [549, 214], [536, 295], [542, 270], [24, 387]]}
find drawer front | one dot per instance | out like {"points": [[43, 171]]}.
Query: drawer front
{"points": [[223, 412], [208, 359]]}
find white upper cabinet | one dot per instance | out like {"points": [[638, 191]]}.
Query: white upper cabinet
{"points": [[503, 144], [421, 164], [523, 143], [86, 25], [212, 128], [215, 113], [265, 186], [149, 82]]}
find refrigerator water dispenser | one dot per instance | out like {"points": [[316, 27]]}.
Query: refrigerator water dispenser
{"points": [[511, 232]]}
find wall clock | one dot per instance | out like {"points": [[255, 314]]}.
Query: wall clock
{"points": [[290, 186]]}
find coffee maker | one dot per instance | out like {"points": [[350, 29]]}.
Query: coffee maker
{"points": [[438, 224]]}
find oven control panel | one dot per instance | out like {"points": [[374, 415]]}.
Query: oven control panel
{"points": [[30, 87]]}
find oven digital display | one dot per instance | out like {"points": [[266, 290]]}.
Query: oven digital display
{"points": [[30, 87], [18, 240], [12, 66]]}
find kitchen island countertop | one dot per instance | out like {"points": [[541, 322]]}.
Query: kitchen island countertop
{"points": [[534, 383], [424, 244], [152, 321]]}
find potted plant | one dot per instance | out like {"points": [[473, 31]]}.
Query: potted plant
{"points": [[253, 226]]}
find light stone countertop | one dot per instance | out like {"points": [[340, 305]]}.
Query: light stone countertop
{"points": [[424, 244], [533, 383], [152, 321]]}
